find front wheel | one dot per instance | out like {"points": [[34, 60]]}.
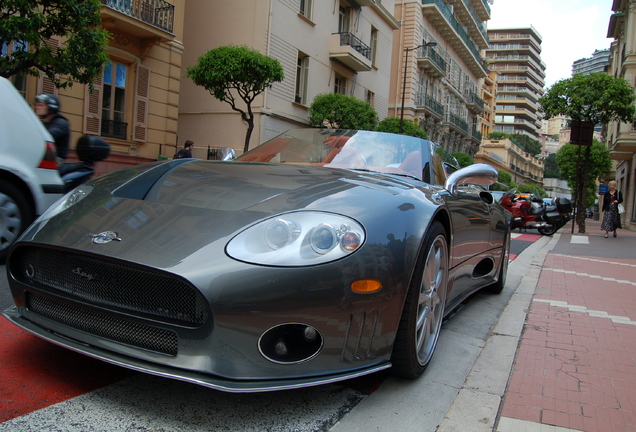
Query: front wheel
{"points": [[547, 230], [15, 216], [421, 321]]}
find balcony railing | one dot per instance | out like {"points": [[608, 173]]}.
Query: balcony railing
{"points": [[158, 13], [355, 43], [434, 56], [114, 129], [461, 124]]}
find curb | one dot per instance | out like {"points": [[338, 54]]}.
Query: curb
{"points": [[477, 405]]}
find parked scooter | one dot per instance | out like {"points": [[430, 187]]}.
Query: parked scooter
{"points": [[89, 149], [532, 212]]}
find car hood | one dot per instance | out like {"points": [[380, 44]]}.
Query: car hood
{"points": [[183, 212]]}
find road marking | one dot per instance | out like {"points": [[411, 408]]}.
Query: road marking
{"points": [[595, 260], [507, 424], [607, 279], [580, 239], [593, 313]]}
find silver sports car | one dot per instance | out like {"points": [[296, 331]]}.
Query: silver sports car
{"points": [[319, 256]]}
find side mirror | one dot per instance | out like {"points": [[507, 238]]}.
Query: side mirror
{"points": [[227, 154], [481, 174]]}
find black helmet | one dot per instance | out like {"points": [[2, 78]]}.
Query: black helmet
{"points": [[50, 100]]}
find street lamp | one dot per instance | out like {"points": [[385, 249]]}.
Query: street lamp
{"points": [[406, 64]]}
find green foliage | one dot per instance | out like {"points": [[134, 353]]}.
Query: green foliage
{"points": [[524, 142], [337, 111], [392, 125], [596, 97], [532, 189], [463, 159], [504, 177], [498, 135], [551, 167], [27, 26], [568, 159], [231, 70]]}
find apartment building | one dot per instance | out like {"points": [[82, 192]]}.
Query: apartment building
{"points": [[341, 46], [135, 103], [507, 156], [489, 96], [438, 71], [598, 62], [621, 137], [516, 54]]}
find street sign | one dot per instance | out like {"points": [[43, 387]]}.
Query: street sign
{"points": [[581, 132], [602, 189]]}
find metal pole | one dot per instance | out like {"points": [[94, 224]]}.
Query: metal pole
{"points": [[406, 62]]}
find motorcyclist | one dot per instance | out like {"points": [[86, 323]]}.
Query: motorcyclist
{"points": [[47, 107]]}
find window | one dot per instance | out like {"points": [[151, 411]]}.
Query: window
{"points": [[302, 74], [340, 85], [114, 100], [374, 45], [369, 97], [344, 19], [119, 99], [19, 80], [305, 8]]}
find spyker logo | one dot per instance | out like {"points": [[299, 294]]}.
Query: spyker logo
{"points": [[105, 237], [78, 271]]}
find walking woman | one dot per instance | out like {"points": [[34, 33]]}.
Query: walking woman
{"points": [[611, 216]]}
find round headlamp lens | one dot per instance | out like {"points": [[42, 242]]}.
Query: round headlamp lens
{"points": [[323, 238], [281, 233]]}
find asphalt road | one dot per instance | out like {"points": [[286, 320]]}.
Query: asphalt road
{"points": [[71, 392]]}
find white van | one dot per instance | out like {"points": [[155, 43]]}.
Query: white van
{"points": [[29, 177]]}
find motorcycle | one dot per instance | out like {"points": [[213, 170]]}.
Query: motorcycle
{"points": [[89, 149], [533, 212]]}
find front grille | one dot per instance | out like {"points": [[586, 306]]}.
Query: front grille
{"points": [[115, 329], [110, 284]]}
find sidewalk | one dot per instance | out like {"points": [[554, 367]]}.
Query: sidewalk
{"points": [[575, 367], [575, 362]]}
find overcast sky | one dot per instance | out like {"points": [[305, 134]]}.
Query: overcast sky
{"points": [[571, 29]]}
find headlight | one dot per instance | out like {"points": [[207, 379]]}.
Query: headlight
{"points": [[297, 239], [67, 201]]}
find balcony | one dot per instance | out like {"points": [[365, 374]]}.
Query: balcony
{"points": [[476, 135], [465, 11], [452, 31], [114, 129], [431, 62], [457, 123], [146, 19], [474, 103], [347, 49], [430, 105]]}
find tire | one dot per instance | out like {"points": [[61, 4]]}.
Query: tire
{"points": [[547, 230], [15, 216], [498, 286], [421, 320]]}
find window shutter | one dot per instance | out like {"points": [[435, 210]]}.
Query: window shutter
{"points": [[45, 84], [93, 108], [142, 90]]}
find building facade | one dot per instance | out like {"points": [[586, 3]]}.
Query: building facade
{"points": [[438, 71], [506, 156], [489, 95], [135, 103], [516, 54], [598, 62], [621, 137], [343, 48]]}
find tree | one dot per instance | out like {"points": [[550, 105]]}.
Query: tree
{"points": [[31, 31], [231, 70], [551, 167], [593, 98], [463, 159], [392, 125], [338, 111], [600, 164]]}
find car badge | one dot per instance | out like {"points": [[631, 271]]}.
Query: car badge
{"points": [[105, 237]]}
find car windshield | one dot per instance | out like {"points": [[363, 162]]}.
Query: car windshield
{"points": [[350, 149]]}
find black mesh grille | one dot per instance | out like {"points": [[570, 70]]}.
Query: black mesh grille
{"points": [[115, 329], [110, 284]]}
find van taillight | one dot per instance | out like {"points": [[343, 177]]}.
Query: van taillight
{"points": [[49, 161]]}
